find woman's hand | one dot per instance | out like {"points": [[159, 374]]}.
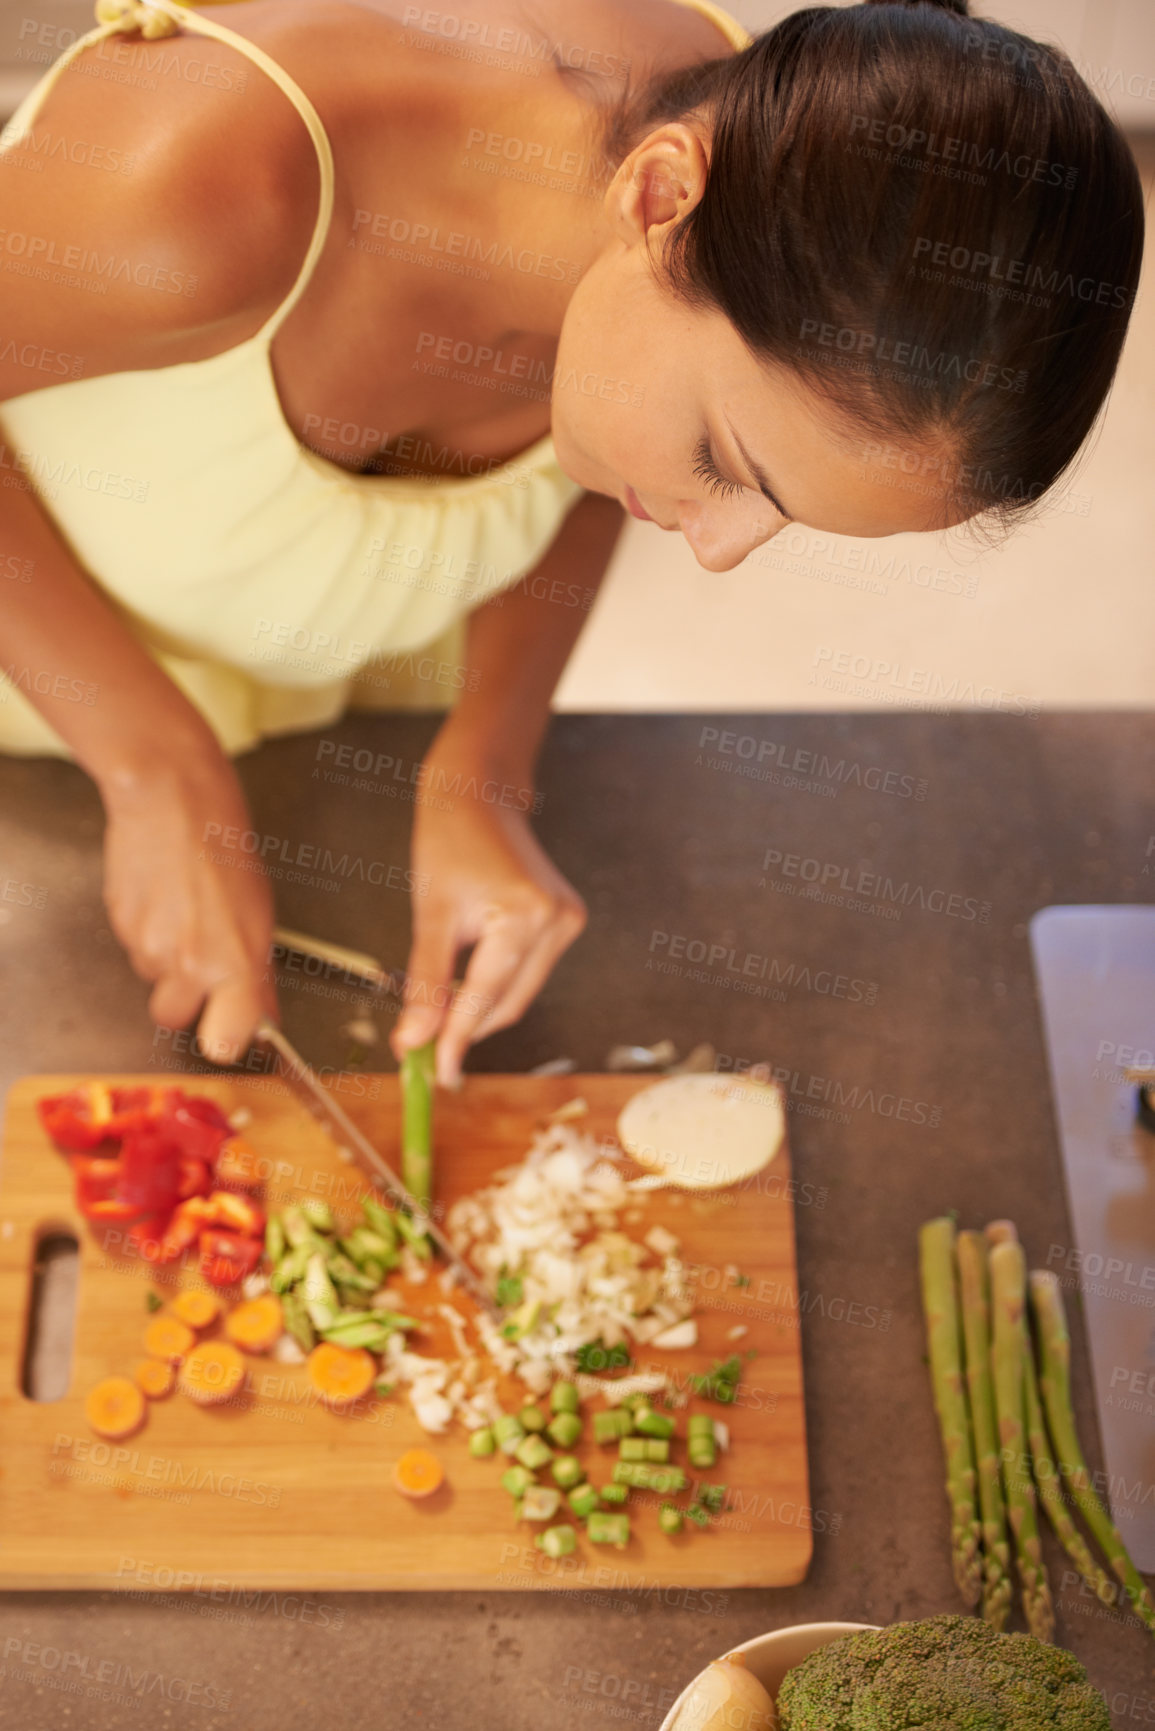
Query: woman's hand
{"points": [[198, 926], [486, 882]]}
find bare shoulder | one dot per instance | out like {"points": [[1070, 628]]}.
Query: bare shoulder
{"points": [[665, 31], [167, 192]]}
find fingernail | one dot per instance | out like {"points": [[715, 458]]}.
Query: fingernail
{"points": [[220, 1051], [449, 1076], [414, 1030]]}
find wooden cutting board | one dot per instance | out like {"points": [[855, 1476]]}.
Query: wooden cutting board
{"points": [[276, 1491]]}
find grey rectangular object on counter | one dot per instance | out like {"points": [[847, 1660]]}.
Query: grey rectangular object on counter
{"points": [[1095, 968]]}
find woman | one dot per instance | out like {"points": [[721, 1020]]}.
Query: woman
{"points": [[871, 270]]}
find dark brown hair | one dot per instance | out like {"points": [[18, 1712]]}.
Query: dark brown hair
{"points": [[928, 217]]}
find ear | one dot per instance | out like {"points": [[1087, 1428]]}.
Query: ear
{"points": [[659, 182]]}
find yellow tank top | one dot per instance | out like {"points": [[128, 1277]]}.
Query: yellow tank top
{"points": [[273, 585]]}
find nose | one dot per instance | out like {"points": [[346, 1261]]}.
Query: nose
{"points": [[719, 544]]}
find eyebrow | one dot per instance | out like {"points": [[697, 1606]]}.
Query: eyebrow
{"points": [[758, 474]]}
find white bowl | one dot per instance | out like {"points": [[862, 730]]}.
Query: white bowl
{"points": [[769, 1657]]}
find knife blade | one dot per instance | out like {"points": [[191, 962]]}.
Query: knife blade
{"points": [[306, 1085], [354, 962]]}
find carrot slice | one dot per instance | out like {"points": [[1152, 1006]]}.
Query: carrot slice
{"points": [[168, 1337], [418, 1473], [212, 1372], [196, 1307], [341, 1374], [115, 1408], [257, 1325], [154, 1377]]}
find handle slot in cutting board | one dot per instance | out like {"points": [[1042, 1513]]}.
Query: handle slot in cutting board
{"points": [[50, 1331]]}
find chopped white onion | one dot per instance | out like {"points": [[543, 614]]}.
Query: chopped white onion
{"points": [[433, 1412], [674, 1339], [553, 1223]]}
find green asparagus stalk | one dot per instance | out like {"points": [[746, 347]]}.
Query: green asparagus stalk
{"points": [[1008, 1300], [974, 1289], [1055, 1387], [417, 1072], [1042, 1456], [940, 1307], [1050, 1489]]}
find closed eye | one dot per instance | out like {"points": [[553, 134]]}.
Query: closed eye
{"points": [[707, 468]]}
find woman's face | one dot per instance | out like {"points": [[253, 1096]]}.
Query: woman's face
{"points": [[663, 407]]}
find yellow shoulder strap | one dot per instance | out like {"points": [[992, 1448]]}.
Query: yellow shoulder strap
{"points": [[157, 18], [736, 34]]}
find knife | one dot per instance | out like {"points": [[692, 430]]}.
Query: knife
{"points": [[304, 1083], [354, 962]]}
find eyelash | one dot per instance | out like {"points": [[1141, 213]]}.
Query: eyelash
{"points": [[706, 467]]}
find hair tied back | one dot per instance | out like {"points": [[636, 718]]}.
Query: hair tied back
{"points": [[958, 7]]}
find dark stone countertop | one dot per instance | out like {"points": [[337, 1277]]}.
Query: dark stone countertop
{"points": [[665, 825]]}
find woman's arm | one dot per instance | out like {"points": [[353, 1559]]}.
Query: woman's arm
{"points": [[490, 883], [199, 933]]}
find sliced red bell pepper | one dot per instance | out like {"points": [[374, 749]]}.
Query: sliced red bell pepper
{"points": [[197, 1126], [95, 1179], [108, 1210], [79, 1120], [145, 1234], [183, 1229], [148, 1226], [98, 1193], [86, 1116], [237, 1166], [150, 1169], [227, 1257], [194, 1178], [235, 1213]]}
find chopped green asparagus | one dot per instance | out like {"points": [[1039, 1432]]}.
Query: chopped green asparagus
{"points": [[643, 1448], [509, 1432], [564, 1429], [557, 1541], [274, 1238], [611, 1426], [517, 1481], [583, 1500], [317, 1213], [417, 1073], [540, 1503], [532, 1452], [641, 1476], [606, 1529], [654, 1424]]}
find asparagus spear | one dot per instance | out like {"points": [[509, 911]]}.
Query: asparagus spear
{"points": [[1042, 1458], [1050, 1490], [974, 1287], [1055, 1386], [1008, 1298], [940, 1307], [417, 1072]]}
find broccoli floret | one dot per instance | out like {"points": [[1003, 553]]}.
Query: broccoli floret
{"points": [[949, 1673]]}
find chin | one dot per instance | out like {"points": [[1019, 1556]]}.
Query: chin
{"points": [[573, 465]]}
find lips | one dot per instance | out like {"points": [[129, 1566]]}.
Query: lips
{"points": [[635, 507]]}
